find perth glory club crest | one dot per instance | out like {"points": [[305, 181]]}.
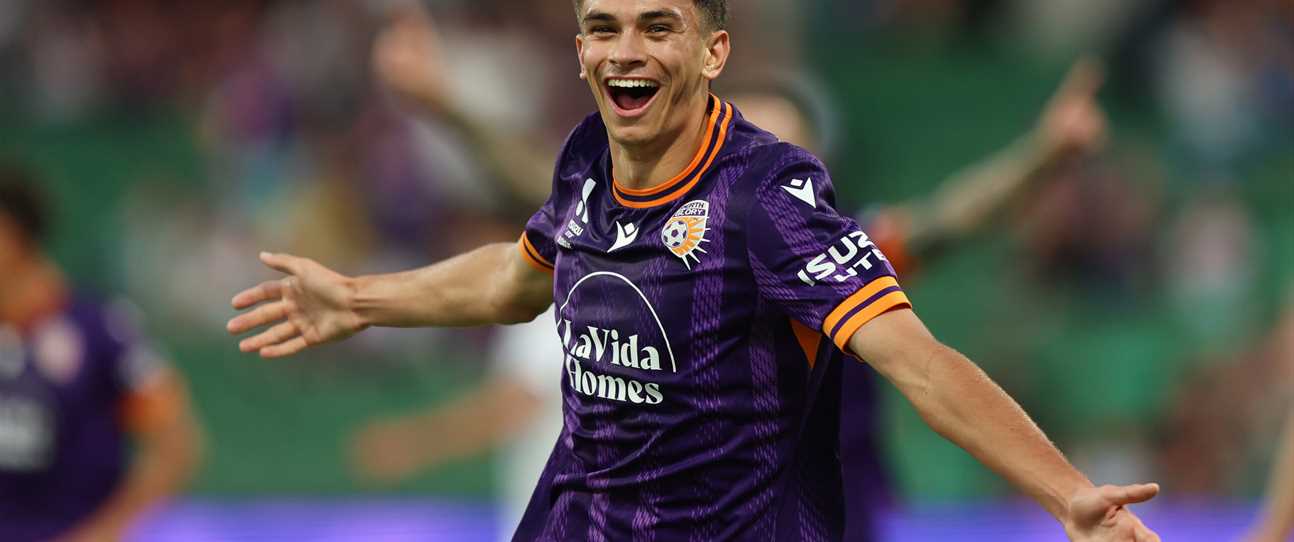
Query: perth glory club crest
{"points": [[685, 231]]}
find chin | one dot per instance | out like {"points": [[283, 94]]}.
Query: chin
{"points": [[631, 135]]}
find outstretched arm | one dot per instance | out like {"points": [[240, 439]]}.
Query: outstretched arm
{"points": [[314, 305], [963, 405], [1277, 522], [1071, 124]]}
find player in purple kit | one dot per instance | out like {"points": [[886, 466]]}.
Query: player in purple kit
{"points": [[77, 385], [696, 265]]}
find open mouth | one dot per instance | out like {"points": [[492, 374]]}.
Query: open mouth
{"points": [[632, 95]]}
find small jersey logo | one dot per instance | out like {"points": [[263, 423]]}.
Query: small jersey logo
{"points": [[802, 189], [685, 231], [573, 228], [625, 234]]}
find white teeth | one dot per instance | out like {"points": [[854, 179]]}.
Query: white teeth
{"points": [[631, 83]]}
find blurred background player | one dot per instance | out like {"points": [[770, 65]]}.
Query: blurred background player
{"points": [[519, 407], [78, 385]]}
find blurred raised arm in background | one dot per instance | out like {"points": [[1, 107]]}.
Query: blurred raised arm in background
{"points": [[1071, 125], [408, 59]]}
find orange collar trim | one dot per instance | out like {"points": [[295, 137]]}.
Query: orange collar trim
{"points": [[716, 133]]}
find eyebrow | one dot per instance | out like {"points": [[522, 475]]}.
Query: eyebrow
{"points": [[659, 14], [598, 16], [604, 17]]}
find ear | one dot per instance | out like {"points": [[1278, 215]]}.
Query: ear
{"points": [[579, 55], [717, 48]]}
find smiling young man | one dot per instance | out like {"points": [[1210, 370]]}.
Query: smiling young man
{"points": [[697, 264]]}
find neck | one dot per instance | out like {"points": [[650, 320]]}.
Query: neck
{"points": [[35, 290], [648, 164]]}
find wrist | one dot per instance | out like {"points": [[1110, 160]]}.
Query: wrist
{"points": [[354, 301], [1067, 496]]}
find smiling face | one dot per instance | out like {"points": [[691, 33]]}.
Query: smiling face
{"points": [[649, 64]]}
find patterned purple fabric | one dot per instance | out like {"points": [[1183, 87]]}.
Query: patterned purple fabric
{"points": [[62, 449], [701, 401]]}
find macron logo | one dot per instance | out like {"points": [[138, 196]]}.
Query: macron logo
{"points": [[802, 189], [624, 236]]}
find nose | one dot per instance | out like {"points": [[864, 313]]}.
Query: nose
{"points": [[628, 52]]}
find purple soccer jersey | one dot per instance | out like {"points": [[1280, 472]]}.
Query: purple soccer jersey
{"points": [[62, 441], [700, 401]]}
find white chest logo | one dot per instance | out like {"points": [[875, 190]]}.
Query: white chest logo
{"points": [[685, 231], [625, 234], [802, 189]]}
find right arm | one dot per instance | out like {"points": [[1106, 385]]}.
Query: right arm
{"points": [[314, 305]]}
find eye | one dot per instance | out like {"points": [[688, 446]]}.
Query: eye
{"points": [[601, 30], [658, 29]]}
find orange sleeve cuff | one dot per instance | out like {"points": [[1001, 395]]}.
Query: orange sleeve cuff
{"points": [[532, 256], [158, 404], [891, 301], [840, 325]]}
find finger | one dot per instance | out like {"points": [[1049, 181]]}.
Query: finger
{"points": [[264, 314], [1121, 495], [283, 263], [275, 335], [285, 349], [256, 294], [1084, 78]]}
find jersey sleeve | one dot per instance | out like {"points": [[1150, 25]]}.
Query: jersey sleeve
{"points": [[136, 362], [819, 266], [538, 242], [146, 387]]}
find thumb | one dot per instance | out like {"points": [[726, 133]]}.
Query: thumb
{"points": [[1124, 495], [1085, 78]]}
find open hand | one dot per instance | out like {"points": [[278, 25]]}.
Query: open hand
{"points": [[1098, 514], [308, 307], [407, 58], [1073, 121]]}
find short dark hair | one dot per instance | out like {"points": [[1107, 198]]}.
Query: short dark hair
{"points": [[23, 203], [714, 11]]}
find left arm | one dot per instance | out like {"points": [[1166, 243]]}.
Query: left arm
{"points": [[168, 452], [962, 404]]}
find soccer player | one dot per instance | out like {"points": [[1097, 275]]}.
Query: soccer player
{"points": [[77, 385], [707, 293], [512, 405]]}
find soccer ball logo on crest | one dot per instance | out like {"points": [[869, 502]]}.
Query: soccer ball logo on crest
{"points": [[685, 231]]}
